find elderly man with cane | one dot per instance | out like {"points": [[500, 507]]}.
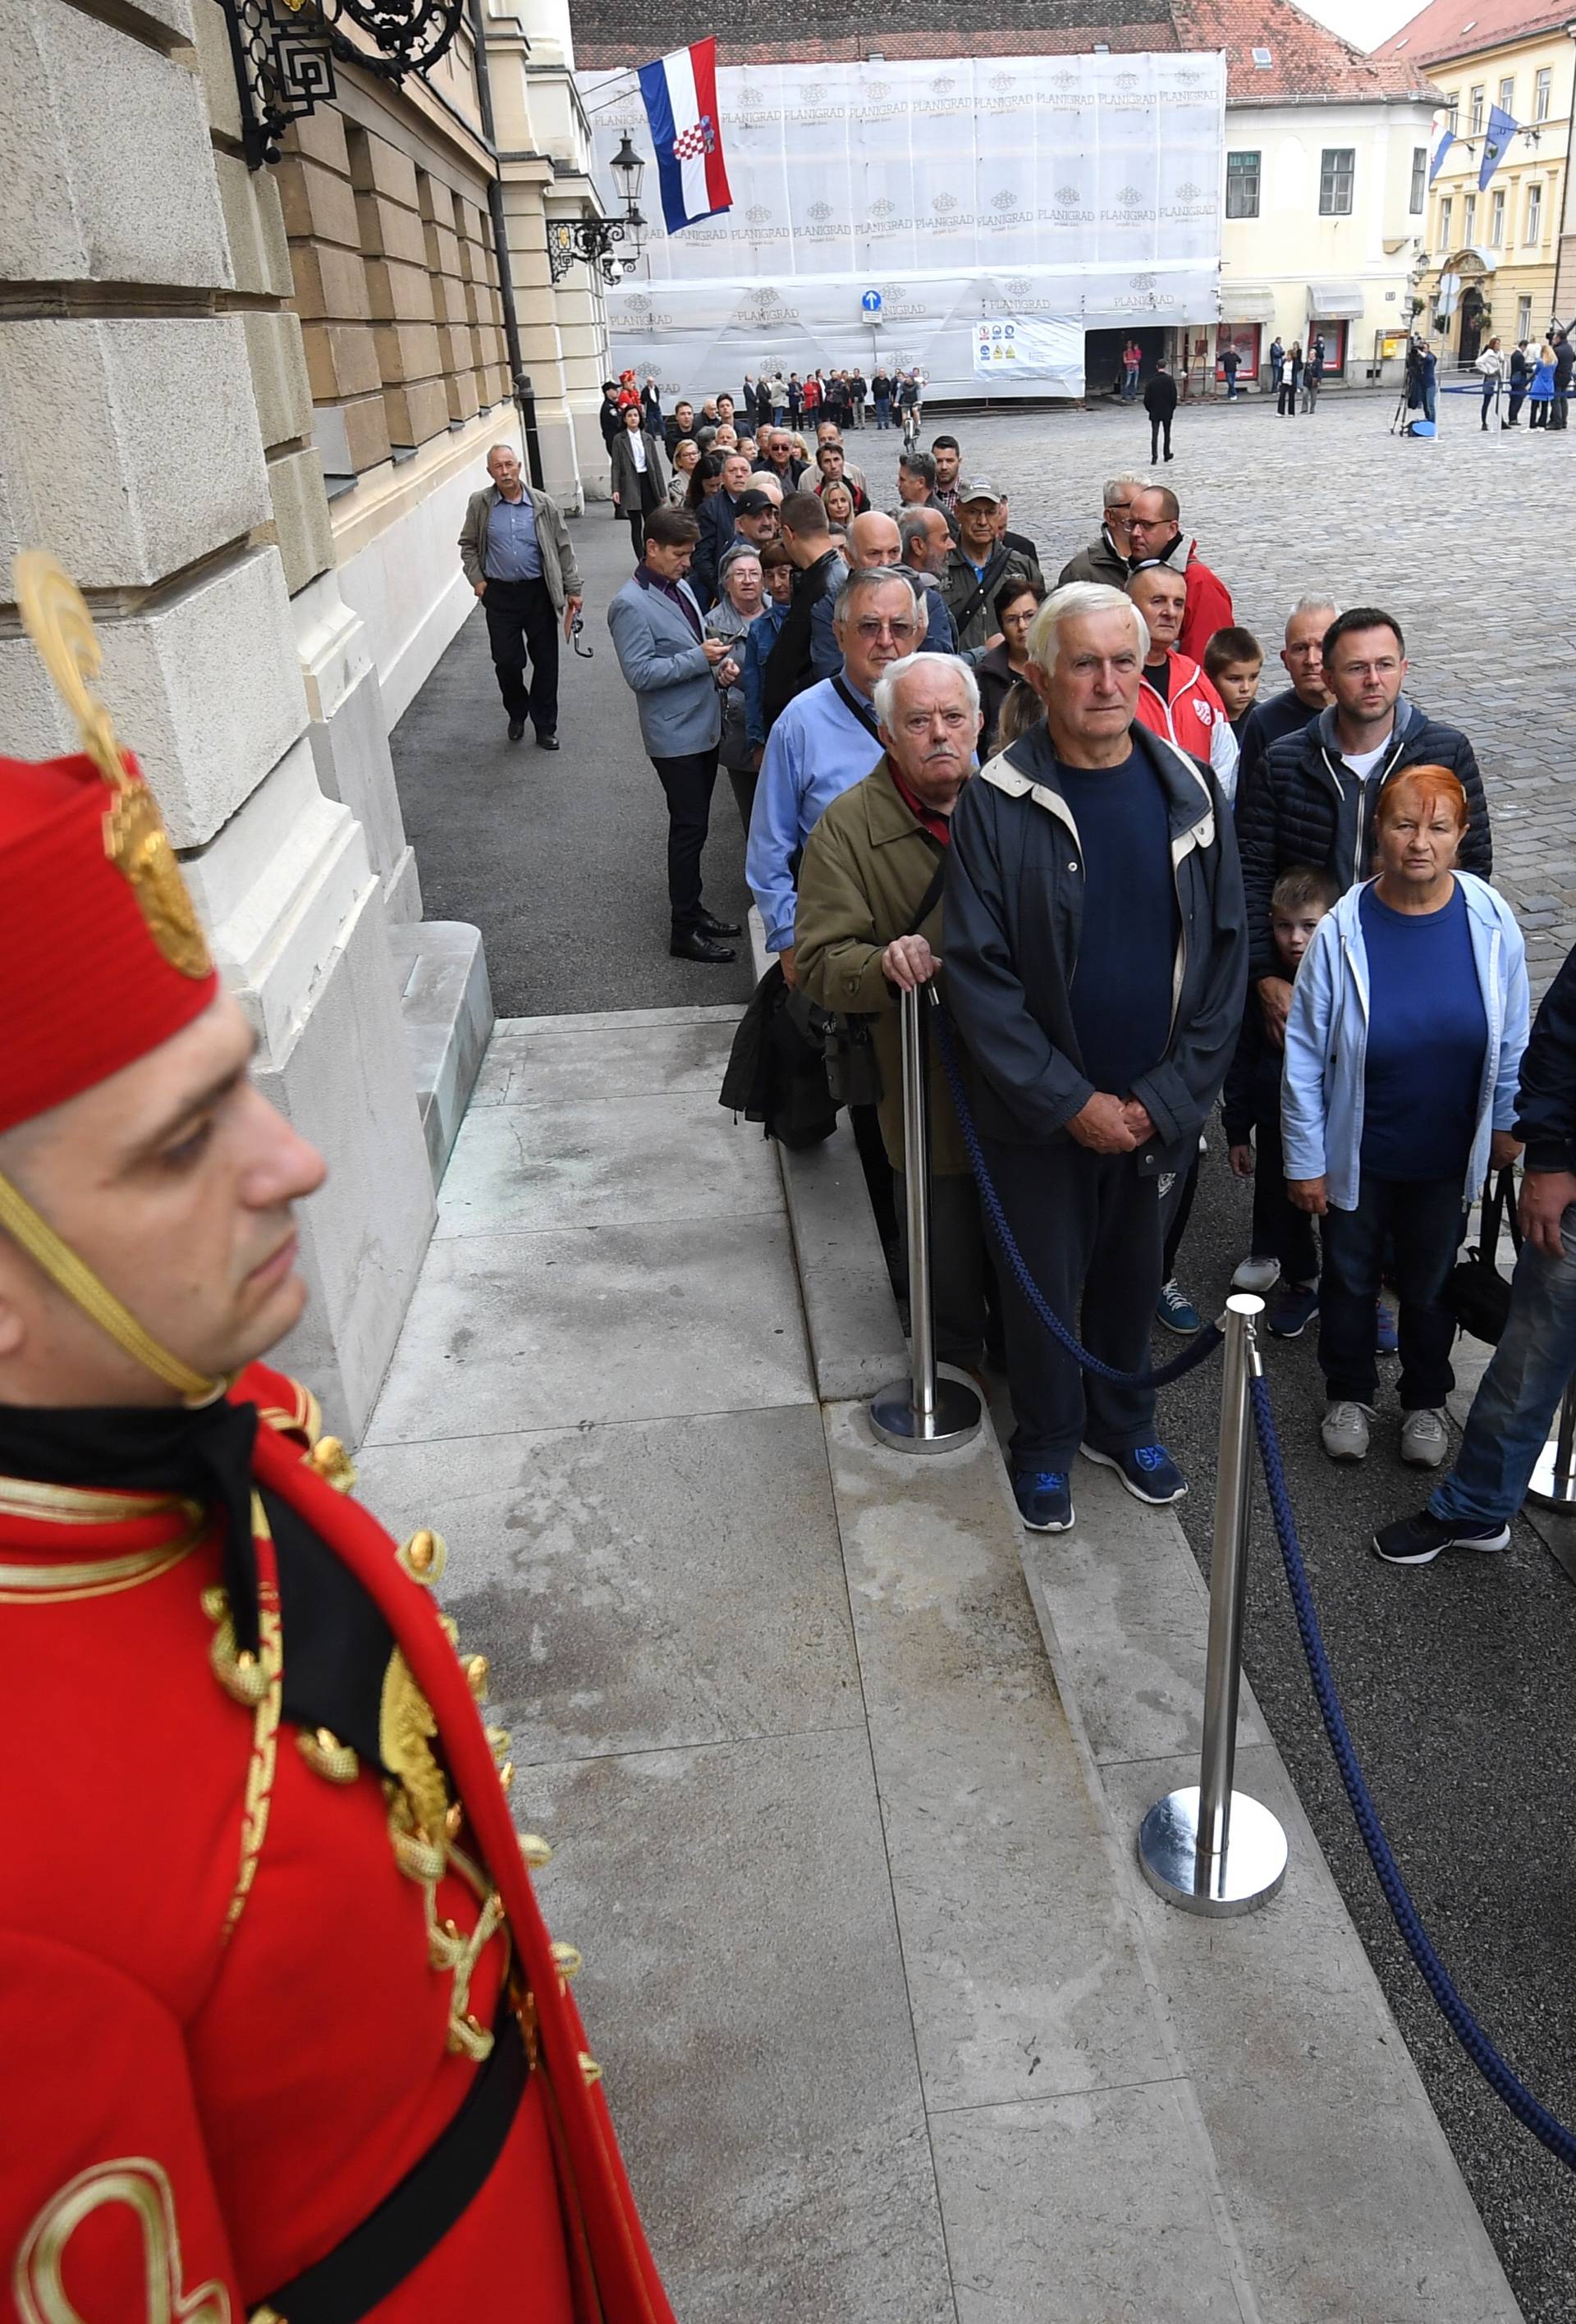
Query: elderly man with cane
{"points": [[1096, 944]]}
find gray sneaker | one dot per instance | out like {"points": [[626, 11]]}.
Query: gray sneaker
{"points": [[1259, 1274], [1424, 1439], [1344, 1431]]}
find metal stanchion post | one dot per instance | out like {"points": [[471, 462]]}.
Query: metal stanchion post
{"points": [[1553, 1481], [921, 1414], [1211, 1848]]}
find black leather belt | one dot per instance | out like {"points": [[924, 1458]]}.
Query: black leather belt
{"points": [[375, 2258]]}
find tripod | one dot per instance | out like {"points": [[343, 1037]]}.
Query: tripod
{"points": [[1398, 421]]}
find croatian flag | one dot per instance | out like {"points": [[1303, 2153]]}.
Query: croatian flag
{"points": [[681, 106], [1442, 137]]}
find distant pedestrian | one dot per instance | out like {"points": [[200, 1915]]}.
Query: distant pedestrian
{"points": [[947, 456], [1565, 365], [1313, 374], [1230, 361], [1277, 363], [650, 404], [1491, 364], [1428, 373], [881, 389], [516, 551], [674, 670], [777, 390], [857, 392], [682, 424], [795, 397], [1291, 382], [1540, 393], [908, 405], [1132, 363], [640, 474], [1520, 375], [1160, 402]]}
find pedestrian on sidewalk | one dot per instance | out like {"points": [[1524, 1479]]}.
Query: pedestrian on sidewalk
{"points": [[1231, 363], [1131, 363], [1520, 374], [1097, 960], [1513, 1412], [1291, 382], [1491, 364], [1408, 1021], [868, 927], [1160, 402], [516, 551], [675, 671], [640, 474]]}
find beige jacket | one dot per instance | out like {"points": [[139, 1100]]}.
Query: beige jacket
{"points": [[558, 569]]}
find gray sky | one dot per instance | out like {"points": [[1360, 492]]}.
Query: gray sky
{"points": [[1365, 23]]}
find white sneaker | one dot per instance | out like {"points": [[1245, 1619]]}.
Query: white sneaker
{"points": [[1258, 1275], [1424, 1439], [1344, 1431]]}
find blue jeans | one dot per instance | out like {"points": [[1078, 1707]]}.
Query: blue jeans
{"points": [[1514, 1409], [883, 411], [1430, 400]]}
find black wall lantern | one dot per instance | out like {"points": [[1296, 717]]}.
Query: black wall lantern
{"points": [[284, 52]]}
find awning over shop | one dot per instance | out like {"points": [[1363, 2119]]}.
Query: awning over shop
{"points": [[1246, 302], [1335, 302]]}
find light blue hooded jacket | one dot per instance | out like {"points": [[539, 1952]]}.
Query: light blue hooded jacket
{"points": [[1327, 1041]]}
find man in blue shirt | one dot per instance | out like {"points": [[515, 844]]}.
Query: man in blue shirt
{"points": [[823, 742], [516, 554]]}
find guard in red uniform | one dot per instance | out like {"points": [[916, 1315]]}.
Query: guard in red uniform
{"points": [[282, 2036]]}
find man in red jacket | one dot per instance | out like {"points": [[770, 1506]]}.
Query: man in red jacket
{"points": [[1155, 533], [285, 2037], [1174, 696]]}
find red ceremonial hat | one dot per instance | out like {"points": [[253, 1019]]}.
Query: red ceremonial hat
{"points": [[106, 957]]}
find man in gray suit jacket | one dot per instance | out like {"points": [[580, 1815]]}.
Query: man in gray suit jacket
{"points": [[517, 556], [675, 671]]}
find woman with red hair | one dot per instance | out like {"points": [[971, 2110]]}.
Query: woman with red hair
{"points": [[1408, 1020]]}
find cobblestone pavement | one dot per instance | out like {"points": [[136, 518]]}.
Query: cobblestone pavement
{"points": [[1449, 536]]}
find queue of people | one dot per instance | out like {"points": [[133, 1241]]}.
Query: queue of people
{"points": [[1146, 894]]}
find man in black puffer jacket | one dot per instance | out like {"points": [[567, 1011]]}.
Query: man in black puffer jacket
{"points": [[1312, 796]]}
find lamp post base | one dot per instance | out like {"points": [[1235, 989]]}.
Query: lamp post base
{"points": [[1244, 1877]]}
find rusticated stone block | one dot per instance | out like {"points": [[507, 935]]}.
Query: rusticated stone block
{"points": [[464, 403], [329, 282], [279, 377], [441, 247], [341, 360], [105, 158], [389, 230], [407, 351], [301, 516], [399, 294], [320, 136], [317, 203], [416, 412], [377, 167], [159, 411]]}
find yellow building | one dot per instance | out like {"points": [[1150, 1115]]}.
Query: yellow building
{"points": [[1496, 248]]}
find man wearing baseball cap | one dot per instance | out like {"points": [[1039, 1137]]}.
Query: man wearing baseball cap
{"points": [[284, 2034], [977, 564]]}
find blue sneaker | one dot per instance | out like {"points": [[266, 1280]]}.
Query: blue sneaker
{"points": [[1149, 1472], [1385, 1343], [1176, 1311], [1293, 1310], [1044, 1500]]}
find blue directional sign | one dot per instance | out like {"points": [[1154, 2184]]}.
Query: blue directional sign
{"points": [[870, 304]]}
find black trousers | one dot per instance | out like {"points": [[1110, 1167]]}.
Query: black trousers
{"points": [[1414, 1224], [1157, 427], [1280, 1230], [1517, 397], [687, 782], [637, 517], [521, 625], [960, 1271], [1089, 1226], [1176, 1210], [1286, 406]]}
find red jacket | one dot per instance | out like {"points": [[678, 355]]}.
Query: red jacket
{"points": [[241, 1993], [1194, 717], [1208, 605]]}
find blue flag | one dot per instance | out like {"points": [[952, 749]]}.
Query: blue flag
{"points": [[1501, 130]]}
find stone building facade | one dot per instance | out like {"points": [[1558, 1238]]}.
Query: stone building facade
{"points": [[243, 408]]}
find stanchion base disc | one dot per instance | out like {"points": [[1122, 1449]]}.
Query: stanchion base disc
{"points": [[1543, 1486], [1247, 1876], [955, 1420]]}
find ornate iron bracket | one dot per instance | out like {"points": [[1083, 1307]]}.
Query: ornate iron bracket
{"points": [[590, 239], [284, 52]]}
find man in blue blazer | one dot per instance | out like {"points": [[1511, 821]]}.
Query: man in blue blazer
{"points": [[675, 671]]}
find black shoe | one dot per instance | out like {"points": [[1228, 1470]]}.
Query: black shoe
{"points": [[694, 944], [710, 927], [1418, 1540], [516, 728], [546, 742]]}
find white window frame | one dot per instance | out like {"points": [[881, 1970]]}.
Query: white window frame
{"points": [[1542, 92], [1496, 219], [1419, 193], [1475, 103], [1524, 317], [1535, 216], [1468, 221], [1330, 169], [1507, 99], [1446, 204]]}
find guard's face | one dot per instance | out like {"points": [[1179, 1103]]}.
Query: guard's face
{"points": [[174, 1181]]}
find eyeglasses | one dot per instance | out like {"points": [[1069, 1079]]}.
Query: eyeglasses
{"points": [[897, 631]]}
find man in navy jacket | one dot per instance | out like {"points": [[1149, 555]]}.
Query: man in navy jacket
{"points": [[1096, 950]]}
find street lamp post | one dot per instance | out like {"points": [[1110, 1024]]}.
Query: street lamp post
{"points": [[592, 240]]}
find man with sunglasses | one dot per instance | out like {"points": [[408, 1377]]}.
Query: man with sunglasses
{"points": [[825, 741]]}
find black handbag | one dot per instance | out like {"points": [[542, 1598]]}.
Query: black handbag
{"points": [[1477, 1294]]}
